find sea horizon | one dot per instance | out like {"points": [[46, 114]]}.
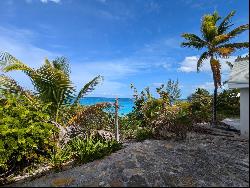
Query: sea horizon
{"points": [[126, 104]]}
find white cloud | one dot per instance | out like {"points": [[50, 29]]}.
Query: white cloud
{"points": [[189, 64]]}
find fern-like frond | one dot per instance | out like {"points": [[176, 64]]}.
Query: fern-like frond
{"points": [[7, 59], [61, 63], [53, 85], [89, 87], [18, 66], [9, 85]]}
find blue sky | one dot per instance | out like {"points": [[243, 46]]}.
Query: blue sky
{"points": [[126, 41]]}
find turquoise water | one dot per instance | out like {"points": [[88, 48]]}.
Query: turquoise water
{"points": [[126, 104]]}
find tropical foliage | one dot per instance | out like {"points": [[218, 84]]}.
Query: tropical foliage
{"points": [[26, 133], [200, 105], [156, 117], [51, 81], [217, 40], [229, 103], [86, 150], [30, 120]]}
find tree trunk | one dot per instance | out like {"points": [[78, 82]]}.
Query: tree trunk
{"points": [[214, 111], [214, 107]]}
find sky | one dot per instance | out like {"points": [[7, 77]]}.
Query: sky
{"points": [[126, 41]]}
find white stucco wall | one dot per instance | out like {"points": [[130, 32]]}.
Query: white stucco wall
{"points": [[244, 112]]}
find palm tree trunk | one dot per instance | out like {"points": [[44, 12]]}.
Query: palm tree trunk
{"points": [[214, 111], [214, 107]]}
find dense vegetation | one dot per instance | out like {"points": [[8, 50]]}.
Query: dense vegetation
{"points": [[159, 118], [49, 125]]}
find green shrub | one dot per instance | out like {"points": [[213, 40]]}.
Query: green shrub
{"points": [[228, 103], [143, 134], [200, 106], [160, 117], [86, 150], [25, 133], [128, 134], [60, 156], [172, 122]]}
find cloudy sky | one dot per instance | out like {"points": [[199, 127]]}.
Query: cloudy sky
{"points": [[126, 41]]}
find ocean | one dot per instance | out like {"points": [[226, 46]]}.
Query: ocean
{"points": [[126, 104]]}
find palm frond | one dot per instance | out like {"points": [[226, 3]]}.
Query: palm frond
{"points": [[237, 45], [224, 52], [53, 85], [193, 41], [225, 24], [203, 57], [220, 39], [238, 30], [11, 86], [18, 66], [90, 86], [7, 59]]}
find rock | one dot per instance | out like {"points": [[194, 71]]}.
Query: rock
{"points": [[106, 135], [137, 181], [116, 183], [66, 133], [204, 160], [232, 123]]}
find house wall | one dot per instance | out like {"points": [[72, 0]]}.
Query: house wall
{"points": [[244, 112]]}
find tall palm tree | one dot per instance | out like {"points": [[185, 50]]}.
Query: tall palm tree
{"points": [[216, 39], [51, 81]]}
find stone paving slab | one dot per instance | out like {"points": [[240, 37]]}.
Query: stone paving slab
{"points": [[201, 160]]}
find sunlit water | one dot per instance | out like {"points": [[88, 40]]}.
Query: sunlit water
{"points": [[125, 104]]}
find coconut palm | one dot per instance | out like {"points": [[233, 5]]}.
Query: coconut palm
{"points": [[216, 39], [51, 81]]}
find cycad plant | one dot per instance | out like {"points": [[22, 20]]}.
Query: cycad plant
{"points": [[216, 40], [51, 81]]}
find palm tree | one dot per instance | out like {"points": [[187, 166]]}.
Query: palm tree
{"points": [[51, 81], [216, 39]]}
